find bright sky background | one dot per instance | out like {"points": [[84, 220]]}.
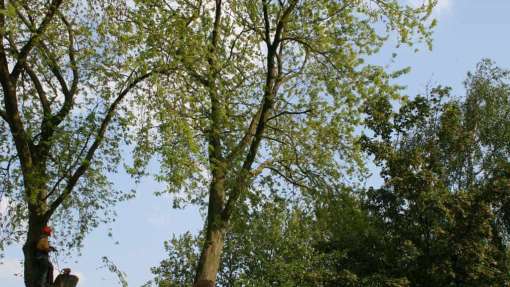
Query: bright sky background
{"points": [[468, 31]]}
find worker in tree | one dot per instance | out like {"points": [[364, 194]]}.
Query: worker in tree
{"points": [[44, 266], [65, 279]]}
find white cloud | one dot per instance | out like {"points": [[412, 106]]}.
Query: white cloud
{"points": [[443, 6], [10, 269], [3, 205]]}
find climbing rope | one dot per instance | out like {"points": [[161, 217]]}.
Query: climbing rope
{"points": [[56, 262]]}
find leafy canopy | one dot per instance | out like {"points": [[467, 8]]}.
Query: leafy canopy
{"points": [[321, 80], [66, 118]]}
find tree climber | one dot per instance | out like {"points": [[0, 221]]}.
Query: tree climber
{"points": [[65, 279], [44, 269]]}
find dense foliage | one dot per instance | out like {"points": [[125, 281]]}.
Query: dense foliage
{"points": [[265, 94], [438, 220], [264, 113]]}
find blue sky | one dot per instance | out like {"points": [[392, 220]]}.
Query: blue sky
{"points": [[468, 31]]}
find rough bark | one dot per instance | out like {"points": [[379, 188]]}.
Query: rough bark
{"points": [[36, 222], [210, 256]]}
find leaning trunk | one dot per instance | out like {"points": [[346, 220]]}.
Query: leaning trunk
{"points": [[210, 258]]}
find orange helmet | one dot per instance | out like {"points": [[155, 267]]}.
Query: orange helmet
{"points": [[47, 230]]}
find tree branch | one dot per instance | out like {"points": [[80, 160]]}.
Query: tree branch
{"points": [[55, 69], [216, 106], [259, 169], [267, 24], [35, 79], [289, 179], [72, 55], [69, 93], [248, 135], [25, 50], [282, 22], [4, 68], [71, 167], [71, 183], [40, 91], [289, 113], [270, 90]]}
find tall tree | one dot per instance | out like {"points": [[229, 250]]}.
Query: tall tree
{"points": [[428, 225], [445, 167], [66, 68], [267, 94], [273, 248]]}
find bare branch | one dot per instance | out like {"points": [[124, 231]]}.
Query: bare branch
{"points": [[289, 113], [289, 179], [248, 135]]}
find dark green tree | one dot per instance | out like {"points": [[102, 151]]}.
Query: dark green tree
{"points": [[429, 224], [444, 163], [273, 248]]}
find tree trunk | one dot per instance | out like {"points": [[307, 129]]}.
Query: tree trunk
{"points": [[35, 190], [210, 256], [35, 224]]}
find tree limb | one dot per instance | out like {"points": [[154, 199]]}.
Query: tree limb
{"points": [[288, 179], [71, 167], [246, 139], [283, 21], [289, 113], [267, 25], [21, 139], [216, 106], [25, 50], [259, 169], [40, 91], [270, 90], [4, 69], [35, 80], [69, 93], [71, 182]]}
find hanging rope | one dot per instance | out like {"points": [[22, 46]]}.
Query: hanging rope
{"points": [[56, 263]]}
